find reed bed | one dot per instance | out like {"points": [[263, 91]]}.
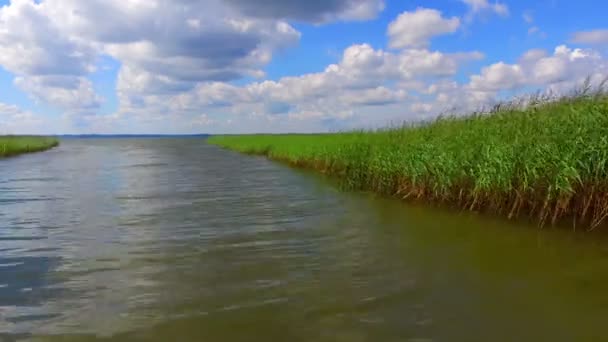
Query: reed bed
{"points": [[11, 145], [541, 159]]}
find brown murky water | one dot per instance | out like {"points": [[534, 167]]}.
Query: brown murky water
{"points": [[176, 240]]}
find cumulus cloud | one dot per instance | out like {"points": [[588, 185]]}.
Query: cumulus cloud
{"points": [[179, 60], [362, 68], [30, 43], [370, 87], [559, 72], [415, 29], [48, 64], [163, 47], [537, 68], [364, 79], [195, 42], [594, 37], [75, 95], [498, 76]]}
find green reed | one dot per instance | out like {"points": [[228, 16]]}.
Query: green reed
{"points": [[12, 145], [545, 158]]}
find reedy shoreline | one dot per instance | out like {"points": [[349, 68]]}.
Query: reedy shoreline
{"points": [[546, 159], [12, 145]]}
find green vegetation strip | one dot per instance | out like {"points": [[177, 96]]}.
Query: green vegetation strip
{"points": [[14, 145], [547, 161]]}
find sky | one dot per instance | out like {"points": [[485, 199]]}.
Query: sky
{"points": [[243, 66]]}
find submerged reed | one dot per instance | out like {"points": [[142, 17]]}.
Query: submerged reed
{"points": [[11, 145], [542, 158]]}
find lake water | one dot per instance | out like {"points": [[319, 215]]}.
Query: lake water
{"points": [[175, 240]]}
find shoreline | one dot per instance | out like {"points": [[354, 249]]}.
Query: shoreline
{"points": [[14, 145], [547, 162]]}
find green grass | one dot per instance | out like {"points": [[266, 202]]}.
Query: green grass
{"points": [[11, 145], [547, 160]]}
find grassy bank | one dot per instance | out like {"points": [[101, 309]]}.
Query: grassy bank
{"points": [[548, 161], [14, 145]]}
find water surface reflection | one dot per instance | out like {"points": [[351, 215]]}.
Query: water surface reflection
{"points": [[172, 239]]}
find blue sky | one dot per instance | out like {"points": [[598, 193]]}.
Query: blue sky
{"points": [[134, 66]]}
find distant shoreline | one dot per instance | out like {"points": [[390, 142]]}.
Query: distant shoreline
{"points": [[110, 136]]}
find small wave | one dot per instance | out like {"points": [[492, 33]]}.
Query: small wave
{"points": [[146, 165], [22, 238]]}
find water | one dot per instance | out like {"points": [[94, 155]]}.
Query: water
{"points": [[175, 240]]}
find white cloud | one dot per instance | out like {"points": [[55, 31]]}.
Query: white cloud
{"points": [[178, 60], [567, 64], [371, 88], [48, 64], [484, 6], [498, 76], [415, 29], [537, 68], [197, 41], [163, 47], [533, 55], [14, 120], [30, 43], [558, 72], [361, 68], [377, 96], [361, 81], [595, 37], [75, 95], [366, 81]]}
